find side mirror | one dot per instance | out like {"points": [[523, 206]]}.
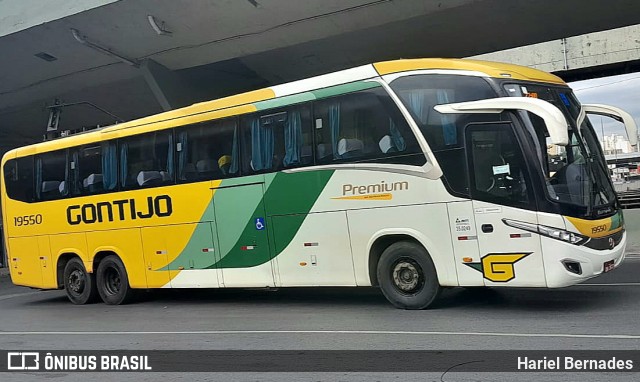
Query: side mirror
{"points": [[555, 121], [617, 114]]}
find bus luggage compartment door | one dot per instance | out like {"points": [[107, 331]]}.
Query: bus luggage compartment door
{"points": [[241, 227], [25, 261]]}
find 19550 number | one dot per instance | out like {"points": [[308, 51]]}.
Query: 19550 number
{"points": [[27, 220]]}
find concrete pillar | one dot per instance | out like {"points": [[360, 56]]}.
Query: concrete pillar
{"points": [[167, 87]]}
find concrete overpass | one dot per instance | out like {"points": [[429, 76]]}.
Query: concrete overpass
{"points": [[598, 54], [108, 53], [623, 159]]}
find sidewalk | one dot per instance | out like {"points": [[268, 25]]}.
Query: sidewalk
{"points": [[4, 272]]}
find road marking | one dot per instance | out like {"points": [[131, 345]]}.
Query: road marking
{"points": [[611, 284], [382, 332], [8, 296]]}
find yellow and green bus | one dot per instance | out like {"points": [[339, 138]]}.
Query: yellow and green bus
{"points": [[411, 175]]}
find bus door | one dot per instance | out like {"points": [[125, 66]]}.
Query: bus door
{"points": [[244, 257], [501, 188]]}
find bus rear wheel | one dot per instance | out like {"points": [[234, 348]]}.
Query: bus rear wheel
{"points": [[407, 276], [113, 282], [79, 285]]}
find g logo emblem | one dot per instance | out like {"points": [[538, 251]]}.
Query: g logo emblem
{"points": [[499, 267]]}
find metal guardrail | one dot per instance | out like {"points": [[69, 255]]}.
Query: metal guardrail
{"points": [[629, 199]]}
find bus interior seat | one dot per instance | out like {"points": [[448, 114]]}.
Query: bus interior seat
{"points": [[50, 188], [570, 182], [206, 165], [93, 183], [386, 145], [206, 168], [149, 178], [350, 147], [62, 187]]}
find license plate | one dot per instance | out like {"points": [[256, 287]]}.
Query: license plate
{"points": [[608, 265]]}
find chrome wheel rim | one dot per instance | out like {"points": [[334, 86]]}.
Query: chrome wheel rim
{"points": [[407, 276]]}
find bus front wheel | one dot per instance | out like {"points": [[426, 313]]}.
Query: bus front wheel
{"points": [[407, 276], [79, 285], [113, 282]]}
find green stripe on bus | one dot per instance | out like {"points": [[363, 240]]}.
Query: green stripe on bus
{"points": [[315, 94], [191, 255], [616, 221], [288, 194]]}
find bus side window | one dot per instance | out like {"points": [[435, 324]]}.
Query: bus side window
{"points": [[146, 160], [52, 175], [206, 151], [18, 177], [95, 169], [278, 139], [258, 137], [293, 140], [364, 126]]}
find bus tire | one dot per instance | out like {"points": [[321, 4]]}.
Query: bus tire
{"points": [[113, 282], [79, 285], [407, 276]]}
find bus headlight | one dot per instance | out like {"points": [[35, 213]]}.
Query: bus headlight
{"points": [[552, 232]]}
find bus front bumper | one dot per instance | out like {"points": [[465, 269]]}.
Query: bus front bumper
{"points": [[566, 264]]}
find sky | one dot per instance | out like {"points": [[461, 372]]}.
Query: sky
{"points": [[622, 91]]}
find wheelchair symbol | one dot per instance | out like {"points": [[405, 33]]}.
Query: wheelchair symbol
{"points": [[260, 224]]}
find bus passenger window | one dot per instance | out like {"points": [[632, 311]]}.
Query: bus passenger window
{"points": [[259, 142], [278, 139], [205, 151], [364, 126], [52, 175], [18, 178], [293, 141], [95, 169], [146, 160]]}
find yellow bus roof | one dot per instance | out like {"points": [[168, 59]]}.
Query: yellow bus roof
{"points": [[492, 69]]}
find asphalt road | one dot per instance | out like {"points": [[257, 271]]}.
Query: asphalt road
{"points": [[602, 314]]}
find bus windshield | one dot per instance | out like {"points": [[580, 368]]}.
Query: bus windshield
{"points": [[575, 175]]}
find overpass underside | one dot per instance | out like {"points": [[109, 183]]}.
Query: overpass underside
{"points": [[208, 49]]}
